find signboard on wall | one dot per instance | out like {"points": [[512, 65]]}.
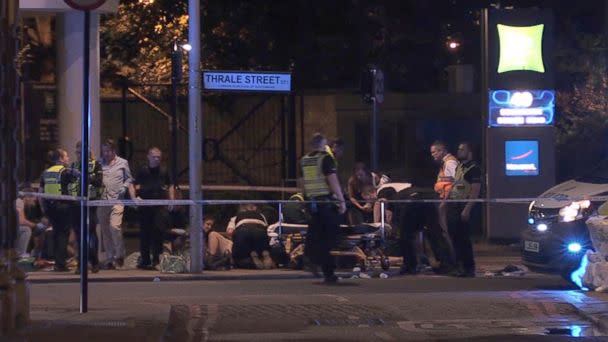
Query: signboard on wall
{"points": [[521, 158], [520, 49], [277, 82], [521, 107]]}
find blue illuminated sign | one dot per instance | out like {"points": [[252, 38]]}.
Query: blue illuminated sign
{"points": [[521, 107], [521, 158], [247, 81]]}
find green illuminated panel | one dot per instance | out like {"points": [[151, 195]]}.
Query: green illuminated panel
{"points": [[521, 48]]}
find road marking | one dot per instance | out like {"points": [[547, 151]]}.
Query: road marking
{"points": [[339, 299]]}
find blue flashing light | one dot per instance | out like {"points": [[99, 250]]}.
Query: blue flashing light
{"points": [[574, 247], [576, 330], [579, 273], [530, 221]]}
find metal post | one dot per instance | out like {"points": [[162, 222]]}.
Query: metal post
{"points": [[123, 108], [483, 92], [382, 219], [195, 137], [374, 136], [84, 174], [291, 133], [176, 66]]}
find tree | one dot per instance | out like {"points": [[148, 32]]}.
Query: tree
{"points": [[582, 105]]}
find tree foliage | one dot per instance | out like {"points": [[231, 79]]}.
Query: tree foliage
{"points": [[582, 105]]}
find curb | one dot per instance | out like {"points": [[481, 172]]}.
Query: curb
{"points": [[170, 277], [599, 318]]}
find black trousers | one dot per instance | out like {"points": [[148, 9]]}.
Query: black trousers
{"points": [[322, 236], [93, 240], [246, 239], [60, 216], [460, 232], [153, 223], [413, 217]]}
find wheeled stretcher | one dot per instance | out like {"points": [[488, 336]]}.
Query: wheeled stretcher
{"points": [[365, 242]]}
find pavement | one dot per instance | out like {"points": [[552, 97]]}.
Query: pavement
{"points": [[128, 305]]}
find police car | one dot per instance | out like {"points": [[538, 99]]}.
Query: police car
{"points": [[557, 237]]}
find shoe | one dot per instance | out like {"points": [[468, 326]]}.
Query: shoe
{"points": [[95, 268], [256, 260], [444, 269], [109, 266], [267, 261], [60, 269], [332, 279], [405, 270], [120, 262], [146, 267], [453, 273]]}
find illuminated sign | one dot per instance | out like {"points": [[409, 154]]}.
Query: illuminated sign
{"points": [[247, 81], [521, 158], [521, 107], [521, 48]]}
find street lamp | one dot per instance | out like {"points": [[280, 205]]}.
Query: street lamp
{"points": [[176, 78]]}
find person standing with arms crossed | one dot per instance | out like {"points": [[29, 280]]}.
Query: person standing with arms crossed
{"points": [[322, 188], [117, 180], [467, 185], [154, 183]]}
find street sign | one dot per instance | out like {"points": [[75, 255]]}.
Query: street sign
{"points": [[85, 5], [379, 86], [247, 81]]}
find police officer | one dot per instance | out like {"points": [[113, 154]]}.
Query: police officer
{"points": [[467, 185], [95, 173], [55, 181], [322, 188]]}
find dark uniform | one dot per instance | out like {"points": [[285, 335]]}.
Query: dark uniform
{"points": [[95, 173], [55, 181], [413, 218], [325, 218], [250, 235], [153, 221], [460, 231]]}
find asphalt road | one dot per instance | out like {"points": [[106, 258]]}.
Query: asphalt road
{"points": [[532, 307]]}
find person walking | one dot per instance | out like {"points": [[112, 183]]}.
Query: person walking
{"points": [[95, 174], [322, 188], [117, 181], [467, 186], [154, 183], [55, 181]]}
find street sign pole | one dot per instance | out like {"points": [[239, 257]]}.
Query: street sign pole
{"points": [[377, 99], [84, 174], [87, 6]]}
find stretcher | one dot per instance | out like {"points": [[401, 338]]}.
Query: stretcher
{"points": [[365, 242]]}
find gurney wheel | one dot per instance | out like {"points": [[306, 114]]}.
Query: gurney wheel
{"points": [[385, 263]]}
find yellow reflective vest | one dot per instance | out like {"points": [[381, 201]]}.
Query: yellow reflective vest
{"points": [[314, 179], [52, 180], [461, 188]]}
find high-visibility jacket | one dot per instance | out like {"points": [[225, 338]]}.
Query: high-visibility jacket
{"points": [[461, 188], [74, 187], [331, 154], [52, 180], [314, 179], [442, 186]]}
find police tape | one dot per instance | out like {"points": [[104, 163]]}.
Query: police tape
{"points": [[189, 202]]}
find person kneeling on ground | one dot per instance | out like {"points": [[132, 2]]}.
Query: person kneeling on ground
{"points": [[250, 239], [219, 248]]}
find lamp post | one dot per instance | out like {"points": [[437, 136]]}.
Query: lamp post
{"points": [[176, 78]]}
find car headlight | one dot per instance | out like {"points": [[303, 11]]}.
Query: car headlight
{"points": [[574, 210]]}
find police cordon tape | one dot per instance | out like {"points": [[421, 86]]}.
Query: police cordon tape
{"points": [[187, 202]]}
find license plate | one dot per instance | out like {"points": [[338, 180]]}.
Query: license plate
{"points": [[531, 246]]}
